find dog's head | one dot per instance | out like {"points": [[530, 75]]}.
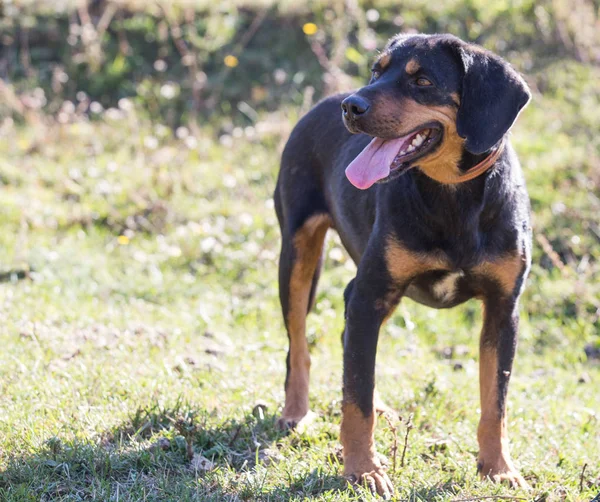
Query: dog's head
{"points": [[430, 99]]}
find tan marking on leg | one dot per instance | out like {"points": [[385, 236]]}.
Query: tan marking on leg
{"points": [[506, 271], [357, 438], [361, 464], [412, 67], [494, 460], [308, 244]]}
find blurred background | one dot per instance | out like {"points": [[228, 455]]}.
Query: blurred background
{"points": [[139, 148]]}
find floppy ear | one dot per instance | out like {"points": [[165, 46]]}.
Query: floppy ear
{"points": [[493, 94]]}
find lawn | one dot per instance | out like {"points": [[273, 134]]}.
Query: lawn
{"points": [[143, 350]]}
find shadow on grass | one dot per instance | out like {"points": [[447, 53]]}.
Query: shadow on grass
{"points": [[151, 457]]}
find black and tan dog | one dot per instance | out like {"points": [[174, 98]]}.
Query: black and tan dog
{"points": [[447, 221]]}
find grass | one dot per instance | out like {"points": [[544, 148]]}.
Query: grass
{"points": [[141, 331], [147, 310]]}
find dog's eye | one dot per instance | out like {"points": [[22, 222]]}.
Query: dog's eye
{"points": [[423, 82], [375, 74]]}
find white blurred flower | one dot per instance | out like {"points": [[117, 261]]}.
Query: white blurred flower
{"points": [[96, 107], [246, 219], [169, 90], [182, 132], [336, 254], [174, 251], [161, 130], [229, 181], [125, 104], [208, 244], [68, 107], [151, 142], [160, 65], [226, 140], [280, 76], [252, 248], [113, 114], [372, 15], [191, 142], [187, 60], [103, 187]]}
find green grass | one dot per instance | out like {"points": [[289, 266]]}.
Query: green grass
{"points": [[149, 310], [140, 325]]}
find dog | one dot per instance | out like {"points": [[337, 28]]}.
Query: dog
{"points": [[417, 176]]}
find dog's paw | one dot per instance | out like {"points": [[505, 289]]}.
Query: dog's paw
{"points": [[502, 471], [298, 422], [376, 480]]}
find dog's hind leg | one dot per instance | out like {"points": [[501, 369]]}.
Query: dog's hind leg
{"points": [[299, 268]]}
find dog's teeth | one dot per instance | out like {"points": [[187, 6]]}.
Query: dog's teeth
{"points": [[418, 140], [410, 148]]}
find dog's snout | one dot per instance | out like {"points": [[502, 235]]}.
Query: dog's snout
{"points": [[354, 106]]}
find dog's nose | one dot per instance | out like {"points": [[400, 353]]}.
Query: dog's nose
{"points": [[354, 106]]}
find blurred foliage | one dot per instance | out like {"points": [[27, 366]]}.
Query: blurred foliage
{"points": [[171, 56], [242, 71], [139, 146]]}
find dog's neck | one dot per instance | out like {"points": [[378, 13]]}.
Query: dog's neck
{"points": [[464, 167], [470, 161], [456, 215], [454, 197]]}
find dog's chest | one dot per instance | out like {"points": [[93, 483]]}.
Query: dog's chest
{"points": [[441, 288], [446, 288]]}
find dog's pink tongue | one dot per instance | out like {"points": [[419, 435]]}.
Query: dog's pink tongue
{"points": [[373, 163]]}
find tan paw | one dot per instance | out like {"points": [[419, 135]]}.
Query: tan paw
{"points": [[502, 471], [298, 422], [377, 481]]}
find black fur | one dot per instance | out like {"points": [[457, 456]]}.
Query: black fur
{"points": [[492, 96], [471, 223]]}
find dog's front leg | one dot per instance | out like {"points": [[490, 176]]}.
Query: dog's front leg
{"points": [[497, 351], [368, 302]]}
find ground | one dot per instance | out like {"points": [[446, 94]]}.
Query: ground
{"points": [[143, 351], [139, 313]]}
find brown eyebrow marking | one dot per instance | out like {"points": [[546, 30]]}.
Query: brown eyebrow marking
{"points": [[412, 67], [384, 60]]}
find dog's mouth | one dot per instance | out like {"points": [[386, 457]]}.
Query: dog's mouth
{"points": [[415, 146], [383, 157]]}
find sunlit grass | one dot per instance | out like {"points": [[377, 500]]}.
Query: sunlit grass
{"points": [[151, 299]]}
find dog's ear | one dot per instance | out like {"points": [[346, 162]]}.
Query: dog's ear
{"points": [[493, 94]]}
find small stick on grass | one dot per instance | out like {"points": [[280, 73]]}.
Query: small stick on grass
{"points": [[395, 441], [495, 497], [235, 435], [549, 250], [581, 477], [409, 426]]}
